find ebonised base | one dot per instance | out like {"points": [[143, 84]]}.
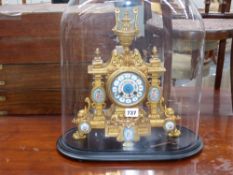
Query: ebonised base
{"points": [[158, 146]]}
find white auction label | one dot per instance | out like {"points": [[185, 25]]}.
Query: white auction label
{"points": [[131, 112]]}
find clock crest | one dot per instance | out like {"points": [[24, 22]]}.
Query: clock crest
{"points": [[132, 86]]}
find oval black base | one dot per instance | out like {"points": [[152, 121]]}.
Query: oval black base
{"points": [[140, 153]]}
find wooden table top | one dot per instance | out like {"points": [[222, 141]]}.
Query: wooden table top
{"points": [[215, 28], [28, 146]]}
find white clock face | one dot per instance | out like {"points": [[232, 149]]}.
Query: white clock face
{"points": [[128, 89], [169, 125], [84, 127]]}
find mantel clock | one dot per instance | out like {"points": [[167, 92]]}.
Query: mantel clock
{"points": [[128, 82]]}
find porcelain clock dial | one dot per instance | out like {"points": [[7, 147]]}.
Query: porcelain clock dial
{"points": [[127, 88]]}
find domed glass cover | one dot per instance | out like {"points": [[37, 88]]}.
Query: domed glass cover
{"points": [[131, 79]]}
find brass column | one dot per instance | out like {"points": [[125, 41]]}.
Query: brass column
{"points": [[98, 106]]}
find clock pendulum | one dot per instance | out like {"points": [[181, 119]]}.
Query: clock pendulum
{"points": [[132, 85]]}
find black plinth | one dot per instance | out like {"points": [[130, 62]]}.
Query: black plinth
{"points": [[158, 146]]}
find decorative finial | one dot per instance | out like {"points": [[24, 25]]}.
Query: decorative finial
{"points": [[97, 52], [154, 55], [154, 52], [126, 28], [97, 59]]}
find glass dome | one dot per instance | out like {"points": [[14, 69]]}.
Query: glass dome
{"points": [[131, 79]]}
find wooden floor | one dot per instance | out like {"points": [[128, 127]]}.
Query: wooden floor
{"points": [[28, 146]]}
